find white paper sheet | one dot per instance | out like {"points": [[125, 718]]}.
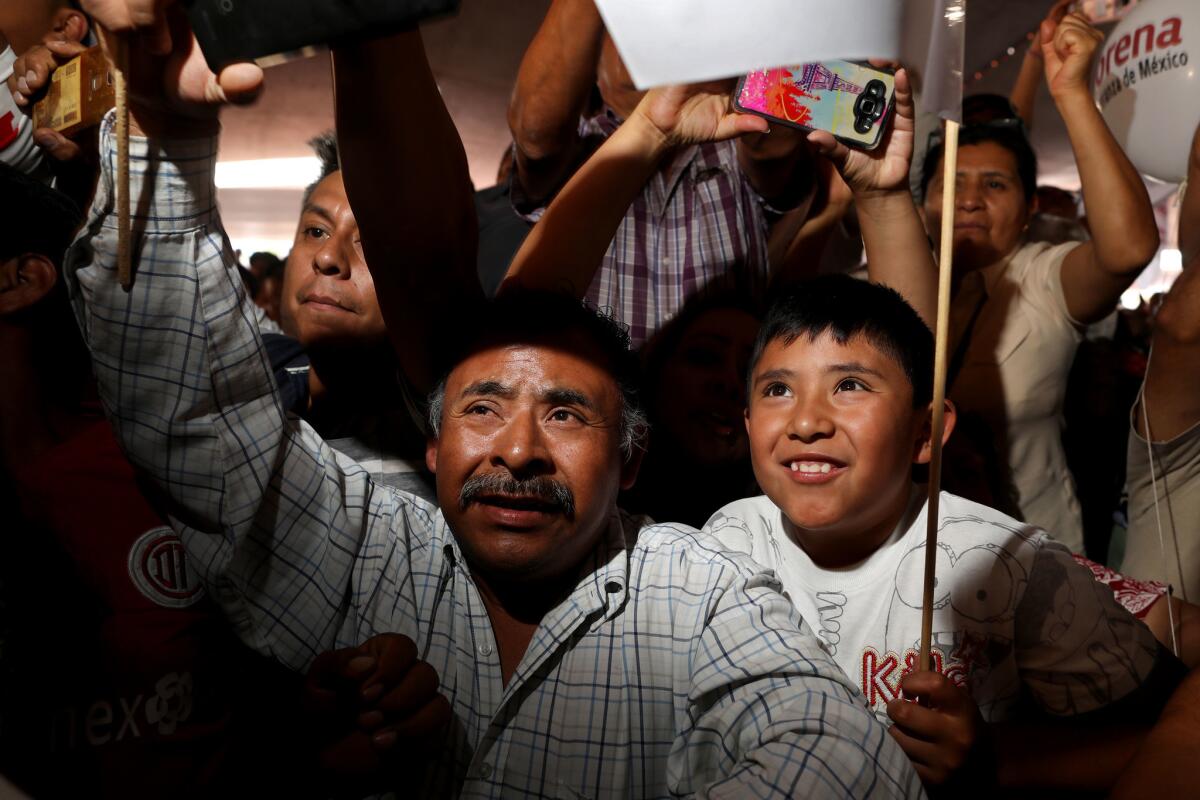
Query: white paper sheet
{"points": [[686, 41]]}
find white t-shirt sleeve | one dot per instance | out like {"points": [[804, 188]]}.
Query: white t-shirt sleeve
{"points": [[1077, 649], [17, 148], [731, 530], [745, 526]]}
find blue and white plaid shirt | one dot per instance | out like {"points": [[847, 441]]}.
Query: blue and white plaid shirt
{"points": [[674, 668]]}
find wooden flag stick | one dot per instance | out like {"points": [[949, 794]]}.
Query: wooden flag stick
{"points": [[941, 348], [124, 251]]}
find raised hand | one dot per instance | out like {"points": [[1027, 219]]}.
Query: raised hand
{"points": [[885, 168], [1055, 15], [696, 113], [1068, 45], [940, 734], [167, 75]]}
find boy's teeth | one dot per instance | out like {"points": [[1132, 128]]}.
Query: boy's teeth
{"points": [[814, 467]]}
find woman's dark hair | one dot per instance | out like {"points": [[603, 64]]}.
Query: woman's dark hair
{"points": [[1010, 137]]}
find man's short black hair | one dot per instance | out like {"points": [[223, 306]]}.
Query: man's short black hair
{"points": [[844, 308], [39, 220], [539, 317], [1011, 138], [36, 218], [326, 148]]}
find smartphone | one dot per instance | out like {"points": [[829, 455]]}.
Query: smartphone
{"points": [[850, 100], [253, 30]]}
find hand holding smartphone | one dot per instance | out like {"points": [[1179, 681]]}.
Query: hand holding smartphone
{"points": [[852, 101]]}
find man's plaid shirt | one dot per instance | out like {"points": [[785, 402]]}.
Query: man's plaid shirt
{"points": [[674, 668], [697, 223]]}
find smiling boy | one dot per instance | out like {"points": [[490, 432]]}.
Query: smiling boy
{"points": [[839, 414]]}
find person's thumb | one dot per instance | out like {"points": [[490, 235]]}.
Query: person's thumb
{"points": [[828, 146], [57, 146], [240, 83]]}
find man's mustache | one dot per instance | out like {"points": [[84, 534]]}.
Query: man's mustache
{"points": [[542, 489]]}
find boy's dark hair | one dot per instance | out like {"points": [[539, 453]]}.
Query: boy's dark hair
{"points": [[326, 148], [846, 307], [1010, 137], [36, 218], [540, 317]]}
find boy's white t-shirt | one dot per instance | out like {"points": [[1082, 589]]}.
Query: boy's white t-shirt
{"points": [[1013, 611]]}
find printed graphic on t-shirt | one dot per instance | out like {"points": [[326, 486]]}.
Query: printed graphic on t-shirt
{"points": [[1013, 615], [883, 672], [830, 606]]}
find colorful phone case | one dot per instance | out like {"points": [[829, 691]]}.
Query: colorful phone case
{"points": [[849, 100]]}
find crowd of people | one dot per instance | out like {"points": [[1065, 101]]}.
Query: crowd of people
{"points": [[610, 481]]}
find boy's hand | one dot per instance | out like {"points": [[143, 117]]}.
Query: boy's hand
{"points": [[884, 169], [940, 731], [1068, 45], [373, 709], [684, 115], [169, 81]]}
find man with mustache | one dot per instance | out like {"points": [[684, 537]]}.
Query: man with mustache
{"points": [[581, 652]]}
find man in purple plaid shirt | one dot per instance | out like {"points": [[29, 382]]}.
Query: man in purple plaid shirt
{"points": [[701, 218]]}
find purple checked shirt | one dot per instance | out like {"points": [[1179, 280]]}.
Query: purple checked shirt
{"points": [[697, 220]]}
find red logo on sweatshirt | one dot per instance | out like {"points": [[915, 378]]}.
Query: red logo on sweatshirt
{"points": [[8, 130], [159, 569]]}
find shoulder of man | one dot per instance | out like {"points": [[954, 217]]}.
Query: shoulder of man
{"points": [[678, 543]]}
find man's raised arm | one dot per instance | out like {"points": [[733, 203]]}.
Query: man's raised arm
{"points": [[554, 81], [407, 179], [564, 250], [282, 530]]}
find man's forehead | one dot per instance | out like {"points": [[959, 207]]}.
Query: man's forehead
{"points": [[329, 192], [535, 367]]}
